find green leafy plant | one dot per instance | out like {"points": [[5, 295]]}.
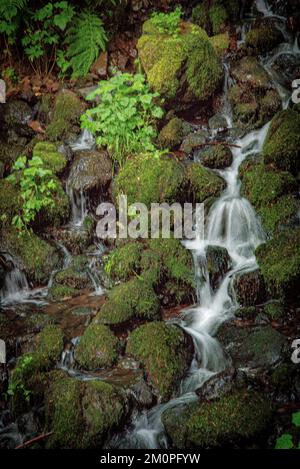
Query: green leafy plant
{"points": [[167, 23], [16, 385], [84, 40], [10, 15], [42, 34], [287, 441], [124, 120], [36, 185]]}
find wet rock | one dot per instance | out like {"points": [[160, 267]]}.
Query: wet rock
{"points": [[237, 418], [253, 347], [100, 66], [15, 115], [193, 140], [53, 159], [83, 414], [164, 351], [173, 133], [218, 263], [218, 122], [202, 183], [221, 384], [90, 170], [249, 288], [76, 241], [217, 157], [263, 39]]}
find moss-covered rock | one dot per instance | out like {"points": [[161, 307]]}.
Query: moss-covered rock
{"points": [[52, 158], [98, 348], [148, 180], [249, 288], [164, 263], [82, 414], [10, 202], [275, 310], [57, 214], [173, 133], [218, 18], [218, 263], [90, 170], [164, 352], [213, 15], [66, 112], [267, 190], [281, 147], [279, 262], [133, 299], [31, 254], [220, 43], [15, 114], [61, 292], [184, 66], [202, 183], [217, 157], [236, 418], [263, 39]]}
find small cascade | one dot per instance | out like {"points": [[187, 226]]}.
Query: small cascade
{"points": [[85, 141], [79, 204], [15, 288], [94, 270], [67, 359]]}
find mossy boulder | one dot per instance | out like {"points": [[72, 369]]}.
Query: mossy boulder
{"points": [[268, 191], [249, 288], [148, 179], [253, 98], [220, 43], [15, 114], [237, 418], [33, 255], [165, 353], [52, 158], [98, 348], [57, 214], [218, 17], [218, 263], [173, 133], [202, 183], [183, 66], [62, 292], [263, 39], [164, 263], [213, 16], [10, 201], [90, 170], [64, 118], [217, 157], [133, 299], [282, 144], [279, 263], [82, 414]]}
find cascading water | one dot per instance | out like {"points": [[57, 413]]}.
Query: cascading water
{"points": [[231, 224], [15, 287]]}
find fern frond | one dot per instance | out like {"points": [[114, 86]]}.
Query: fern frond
{"points": [[85, 39], [9, 8]]}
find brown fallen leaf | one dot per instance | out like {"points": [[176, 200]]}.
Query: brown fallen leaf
{"points": [[36, 127]]}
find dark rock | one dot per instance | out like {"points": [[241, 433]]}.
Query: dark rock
{"points": [[221, 384], [15, 115], [90, 170], [218, 263], [249, 288]]}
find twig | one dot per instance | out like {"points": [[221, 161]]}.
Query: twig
{"points": [[34, 440]]}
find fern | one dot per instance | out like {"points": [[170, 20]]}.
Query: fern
{"points": [[10, 8], [85, 39]]}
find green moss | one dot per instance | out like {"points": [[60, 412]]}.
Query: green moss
{"points": [[135, 298], [218, 17], [173, 133], [98, 348], [60, 292], [203, 183], [217, 157], [162, 350], [274, 309], [52, 158], [10, 202], [164, 58], [200, 16], [50, 343], [232, 419], [220, 43], [72, 278], [279, 214], [263, 39], [82, 414], [67, 111], [279, 262], [147, 179], [34, 255], [124, 262], [281, 147]]}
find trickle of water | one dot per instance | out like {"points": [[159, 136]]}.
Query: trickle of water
{"points": [[86, 141], [15, 287]]}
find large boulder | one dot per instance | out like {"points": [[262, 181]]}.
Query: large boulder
{"points": [[201, 183], [90, 170], [164, 351], [182, 66], [279, 263], [15, 115], [235, 419], [263, 38], [83, 414], [217, 157], [98, 348], [249, 288], [172, 134], [281, 147]]}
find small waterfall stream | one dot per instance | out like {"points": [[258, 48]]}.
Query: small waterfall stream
{"points": [[232, 224]]}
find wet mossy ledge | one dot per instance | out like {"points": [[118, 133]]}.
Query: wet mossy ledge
{"points": [[98, 348], [238, 418], [184, 65], [165, 353]]}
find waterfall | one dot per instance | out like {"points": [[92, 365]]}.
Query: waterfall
{"points": [[15, 287]]}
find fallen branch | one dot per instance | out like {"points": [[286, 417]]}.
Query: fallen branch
{"points": [[34, 440]]}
